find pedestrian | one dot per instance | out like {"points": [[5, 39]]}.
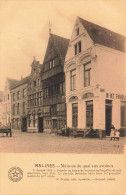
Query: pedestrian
{"points": [[112, 134], [117, 135]]}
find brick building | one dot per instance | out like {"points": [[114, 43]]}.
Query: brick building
{"points": [[19, 105], [53, 83]]}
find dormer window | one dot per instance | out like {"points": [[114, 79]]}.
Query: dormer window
{"points": [[51, 64], [77, 48], [77, 31]]}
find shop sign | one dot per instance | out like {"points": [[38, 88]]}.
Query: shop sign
{"points": [[115, 96]]}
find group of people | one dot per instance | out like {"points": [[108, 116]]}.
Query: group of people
{"points": [[115, 134]]}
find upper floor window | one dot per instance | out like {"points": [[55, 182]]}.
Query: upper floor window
{"points": [[87, 69], [18, 108], [34, 83], [23, 107], [8, 96], [51, 64], [73, 79], [13, 96], [24, 92], [18, 95], [77, 48], [38, 82], [13, 109], [77, 31]]}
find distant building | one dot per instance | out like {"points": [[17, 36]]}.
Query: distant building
{"points": [[1, 97], [19, 105], [35, 99], [95, 78], [53, 83], [6, 101]]}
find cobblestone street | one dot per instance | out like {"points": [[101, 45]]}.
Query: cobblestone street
{"points": [[50, 143]]}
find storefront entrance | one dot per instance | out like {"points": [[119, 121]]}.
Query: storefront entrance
{"points": [[24, 124], [108, 110], [40, 124]]}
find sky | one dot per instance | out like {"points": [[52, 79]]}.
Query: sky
{"points": [[24, 28]]}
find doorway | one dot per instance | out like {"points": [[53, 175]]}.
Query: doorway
{"points": [[89, 114], [24, 124], [40, 124], [108, 115]]}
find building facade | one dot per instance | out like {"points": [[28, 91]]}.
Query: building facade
{"points": [[6, 101], [95, 78], [35, 99], [53, 83], [19, 105]]}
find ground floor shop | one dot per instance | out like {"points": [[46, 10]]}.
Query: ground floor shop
{"points": [[52, 124], [35, 120], [97, 109]]}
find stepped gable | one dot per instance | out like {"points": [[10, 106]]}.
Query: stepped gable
{"points": [[103, 36]]}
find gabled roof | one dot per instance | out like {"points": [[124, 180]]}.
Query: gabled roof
{"points": [[22, 81], [60, 43], [12, 82], [103, 36]]}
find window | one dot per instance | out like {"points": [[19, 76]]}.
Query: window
{"points": [[13, 96], [24, 92], [89, 114], [87, 69], [61, 107], [18, 95], [18, 108], [13, 109], [73, 80], [75, 115], [23, 107], [38, 82], [77, 48], [34, 83], [51, 64], [8, 96], [77, 31], [123, 114], [46, 109]]}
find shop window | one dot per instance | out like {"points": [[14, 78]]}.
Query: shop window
{"points": [[77, 48], [29, 120], [123, 114], [87, 70], [34, 120], [89, 114], [75, 115], [73, 80]]}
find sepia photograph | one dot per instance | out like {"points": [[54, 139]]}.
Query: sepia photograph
{"points": [[62, 87]]}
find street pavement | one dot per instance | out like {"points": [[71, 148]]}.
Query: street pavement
{"points": [[22, 142]]}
